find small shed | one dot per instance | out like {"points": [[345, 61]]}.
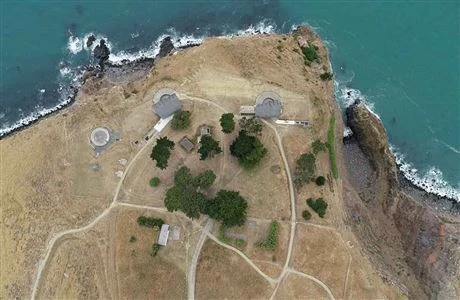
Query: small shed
{"points": [[167, 105], [186, 144], [205, 130], [164, 234], [247, 110]]}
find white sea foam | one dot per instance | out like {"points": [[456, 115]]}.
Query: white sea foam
{"points": [[75, 44], [347, 131], [431, 181]]}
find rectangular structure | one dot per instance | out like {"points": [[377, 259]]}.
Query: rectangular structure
{"points": [[186, 144], [164, 234], [246, 110]]}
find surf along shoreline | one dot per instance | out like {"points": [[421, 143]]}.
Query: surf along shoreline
{"points": [[121, 68]]}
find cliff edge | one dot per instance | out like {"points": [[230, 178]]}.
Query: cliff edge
{"points": [[408, 231]]}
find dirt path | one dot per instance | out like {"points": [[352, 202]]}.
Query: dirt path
{"points": [[191, 276]]}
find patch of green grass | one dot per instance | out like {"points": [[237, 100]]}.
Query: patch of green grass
{"points": [[240, 244], [222, 237], [332, 148], [271, 243], [154, 182]]}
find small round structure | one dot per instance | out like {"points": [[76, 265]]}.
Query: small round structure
{"points": [[100, 137]]}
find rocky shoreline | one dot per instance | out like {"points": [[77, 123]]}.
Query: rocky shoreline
{"points": [[412, 234]]}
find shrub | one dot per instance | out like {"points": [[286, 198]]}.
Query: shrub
{"points": [[248, 149], [162, 151], [305, 169], [227, 123], [271, 243], [318, 146], [306, 215], [132, 239], [320, 180], [326, 76], [150, 222], [155, 249], [154, 182], [181, 120], [318, 205], [332, 148], [310, 53]]}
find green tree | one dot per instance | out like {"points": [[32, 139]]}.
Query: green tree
{"points": [[183, 177], [193, 203], [306, 215], [205, 179], [228, 207], [162, 151], [154, 182], [181, 120], [208, 146], [305, 169], [173, 198], [227, 122], [252, 126], [320, 180], [248, 149], [318, 205]]}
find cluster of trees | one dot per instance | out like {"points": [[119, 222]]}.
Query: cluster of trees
{"points": [[271, 243], [227, 122], [318, 205], [150, 222], [305, 169], [181, 120], [162, 151], [208, 146], [229, 207], [248, 149]]}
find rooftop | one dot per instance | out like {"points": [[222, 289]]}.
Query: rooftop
{"points": [[167, 105], [164, 234], [186, 144]]}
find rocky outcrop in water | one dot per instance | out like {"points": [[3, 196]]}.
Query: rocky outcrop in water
{"points": [[89, 42], [428, 240], [166, 47], [101, 53]]}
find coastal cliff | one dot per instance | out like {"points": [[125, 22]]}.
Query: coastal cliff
{"points": [[411, 239]]}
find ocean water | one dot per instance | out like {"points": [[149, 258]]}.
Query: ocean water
{"points": [[402, 58]]}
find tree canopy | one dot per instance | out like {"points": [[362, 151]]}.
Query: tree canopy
{"points": [[318, 205], [208, 146], [305, 169], [248, 149], [185, 196], [252, 126], [181, 120], [228, 207], [162, 151], [227, 123]]}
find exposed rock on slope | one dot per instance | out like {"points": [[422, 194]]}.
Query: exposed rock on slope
{"points": [[427, 240]]}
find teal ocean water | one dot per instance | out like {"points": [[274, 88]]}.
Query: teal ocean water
{"points": [[401, 57]]}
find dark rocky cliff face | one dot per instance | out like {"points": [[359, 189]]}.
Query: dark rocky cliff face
{"points": [[428, 241]]}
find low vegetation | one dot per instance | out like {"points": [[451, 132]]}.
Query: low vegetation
{"points": [[248, 149], [320, 180], [154, 182], [228, 207], [306, 215], [332, 148], [318, 146], [252, 126], [227, 122], [271, 243], [181, 120], [310, 53], [155, 249], [305, 169], [222, 236], [162, 151], [132, 239], [326, 76], [209, 147], [150, 222], [318, 205], [240, 243]]}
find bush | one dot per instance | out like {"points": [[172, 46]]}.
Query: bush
{"points": [[154, 182], [306, 215], [248, 149], [305, 169], [155, 249], [162, 151], [318, 146], [150, 222], [318, 205], [181, 120], [132, 239], [227, 123], [271, 243], [326, 76], [310, 53], [320, 180]]}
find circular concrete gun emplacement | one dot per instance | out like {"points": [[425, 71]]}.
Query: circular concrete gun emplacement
{"points": [[268, 105], [100, 137]]}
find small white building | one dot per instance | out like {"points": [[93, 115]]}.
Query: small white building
{"points": [[164, 234]]}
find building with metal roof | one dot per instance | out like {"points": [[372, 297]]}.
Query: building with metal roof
{"points": [[164, 234], [166, 105]]}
